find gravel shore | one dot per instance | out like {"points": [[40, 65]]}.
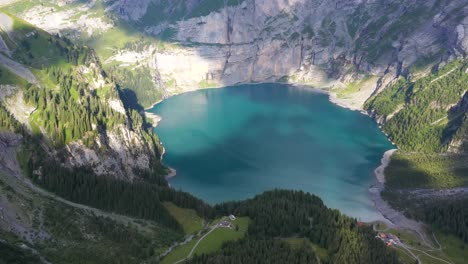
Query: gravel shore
{"points": [[394, 218]]}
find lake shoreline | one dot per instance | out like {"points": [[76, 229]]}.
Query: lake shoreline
{"points": [[392, 216]]}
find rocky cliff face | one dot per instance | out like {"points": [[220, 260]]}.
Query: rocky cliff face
{"points": [[121, 150], [321, 43], [356, 48], [459, 113], [315, 42], [72, 103]]}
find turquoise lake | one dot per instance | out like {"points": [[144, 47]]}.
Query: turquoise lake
{"points": [[236, 142]]}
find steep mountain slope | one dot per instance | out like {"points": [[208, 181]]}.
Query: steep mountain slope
{"points": [[431, 109], [64, 127], [65, 96]]}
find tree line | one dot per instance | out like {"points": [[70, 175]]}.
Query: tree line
{"points": [[421, 125], [256, 251], [282, 213]]}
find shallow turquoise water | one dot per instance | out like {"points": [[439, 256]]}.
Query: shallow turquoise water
{"points": [[235, 142]]}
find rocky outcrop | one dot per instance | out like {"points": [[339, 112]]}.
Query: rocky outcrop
{"points": [[111, 139], [321, 43], [458, 127], [74, 23], [125, 153], [123, 150], [315, 42]]}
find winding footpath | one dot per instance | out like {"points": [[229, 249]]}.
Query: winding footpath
{"points": [[213, 228]]}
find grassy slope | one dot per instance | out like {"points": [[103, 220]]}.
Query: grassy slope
{"points": [[354, 87], [453, 247], [211, 243], [7, 77], [419, 170], [214, 241], [179, 253], [188, 218]]}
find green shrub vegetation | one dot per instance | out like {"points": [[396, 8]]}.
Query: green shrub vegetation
{"points": [[449, 217], [138, 82], [431, 170], [81, 237], [54, 106], [259, 251], [419, 118], [11, 254], [423, 122], [189, 219], [387, 102], [353, 87]]}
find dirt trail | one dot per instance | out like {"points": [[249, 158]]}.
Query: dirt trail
{"points": [[443, 75], [212, 228], [9, 166]]}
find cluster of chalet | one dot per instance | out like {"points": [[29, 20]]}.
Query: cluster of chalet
{"points": [[226, 223], [388, 239]]}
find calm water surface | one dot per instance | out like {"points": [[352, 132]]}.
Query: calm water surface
{"points": [[236, 142]]}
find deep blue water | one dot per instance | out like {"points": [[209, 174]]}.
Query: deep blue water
{"points": [[236, 142]]}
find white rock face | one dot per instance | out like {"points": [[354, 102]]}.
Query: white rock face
{"points": [[6, 91], [132, 57], [462, 31], [72, 22], [6, 23], [127, 151], [18, 108], [266, 40], [117, 105]]}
